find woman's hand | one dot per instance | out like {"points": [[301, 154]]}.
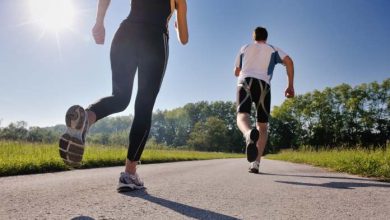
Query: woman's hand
{"points": [[99, 33]]}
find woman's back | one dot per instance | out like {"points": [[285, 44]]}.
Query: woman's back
{"points": [[151, 13]]}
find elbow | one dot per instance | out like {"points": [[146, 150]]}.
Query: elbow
{"points": [[183, 38], [288, 61], [184, 41]]}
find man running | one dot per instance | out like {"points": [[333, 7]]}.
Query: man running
{"points": [[254, 67], [141, 43]]}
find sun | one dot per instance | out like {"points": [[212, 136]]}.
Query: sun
{"points": [[52, 15]]}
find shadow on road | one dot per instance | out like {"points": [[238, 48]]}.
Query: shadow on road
{"points": [[82, 218], [338, 185], [189, 211], [322, 177]]}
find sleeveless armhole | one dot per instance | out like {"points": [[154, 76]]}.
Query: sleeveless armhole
{"points": [[173, 7]]}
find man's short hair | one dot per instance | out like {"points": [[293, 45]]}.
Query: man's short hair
{"points": [[260, 34]]}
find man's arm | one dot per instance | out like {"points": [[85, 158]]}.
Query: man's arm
{"points": [[98, 30], [238, 63], [287, 61], [237, 71]]}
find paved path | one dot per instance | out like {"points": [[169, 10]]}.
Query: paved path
{"points": [[215, 189]]}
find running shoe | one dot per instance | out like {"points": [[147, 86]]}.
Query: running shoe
{"points": [[251, 149], [73, 141], [254, 167], [129, 182]]}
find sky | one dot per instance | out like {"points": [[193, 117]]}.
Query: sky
{"points": [[44, 70]]}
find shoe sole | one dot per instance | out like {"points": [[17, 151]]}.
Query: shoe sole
{"points": [[253, 170], [251, 149], [75, 117], [129, 188], [71, 150], [71, 147]]}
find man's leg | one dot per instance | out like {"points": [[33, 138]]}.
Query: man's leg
{"points": [[251, 135], [263, 129], [243, 122], [262, 96], [244, 104]]}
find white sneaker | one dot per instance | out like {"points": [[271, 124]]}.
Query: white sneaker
{"points": [[254, 167], [129, 182]]}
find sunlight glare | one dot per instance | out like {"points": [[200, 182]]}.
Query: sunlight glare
{"points": [[52, 15]]}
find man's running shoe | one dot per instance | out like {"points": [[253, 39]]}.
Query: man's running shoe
{"points": [[73, 141], [129, 182], [251, 149], [254, 167]]}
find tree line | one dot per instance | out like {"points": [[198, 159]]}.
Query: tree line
{"points": [[342, 116]]}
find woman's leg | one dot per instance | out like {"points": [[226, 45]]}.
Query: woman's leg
{"points": [[153, 56], [123, 65]]}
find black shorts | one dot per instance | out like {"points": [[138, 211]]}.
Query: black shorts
{"points": [[251, 90]]}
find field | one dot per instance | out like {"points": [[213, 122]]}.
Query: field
{"points": [[362, 162], [25, 158]]}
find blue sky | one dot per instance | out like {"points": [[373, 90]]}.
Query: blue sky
{"points": [[331, 42]]}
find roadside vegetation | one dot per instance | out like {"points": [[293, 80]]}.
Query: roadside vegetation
{"points": [[356, 118], [26, 158], [364, 162]]}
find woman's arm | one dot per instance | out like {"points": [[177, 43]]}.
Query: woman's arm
{"points": [[98, 30], [181, 21]]}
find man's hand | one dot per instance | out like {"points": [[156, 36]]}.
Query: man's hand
{"points": [[99, 33], [289, 93]]}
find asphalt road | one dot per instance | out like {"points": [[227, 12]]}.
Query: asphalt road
{"points": [[215, 189]]}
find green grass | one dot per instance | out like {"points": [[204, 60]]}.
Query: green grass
{"points": [[27, 158], [361, 162]]}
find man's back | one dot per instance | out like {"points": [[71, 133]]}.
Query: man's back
{"points": [[258, 60]]}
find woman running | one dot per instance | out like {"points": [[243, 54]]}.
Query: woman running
{"points": [[140, 43]]}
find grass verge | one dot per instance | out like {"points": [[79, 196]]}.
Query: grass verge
{"points": [[27, 158], [367, 163]]}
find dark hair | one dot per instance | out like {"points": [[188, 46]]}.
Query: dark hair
{"points": [[260, 34]]}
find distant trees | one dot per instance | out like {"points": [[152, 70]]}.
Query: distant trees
{"points": [[202, 126], [210, 135], [19, 132], [341, 116]]}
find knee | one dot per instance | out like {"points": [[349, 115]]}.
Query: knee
{"points": [[262, 127], [144, 103], [121, 102], [143, 109]]}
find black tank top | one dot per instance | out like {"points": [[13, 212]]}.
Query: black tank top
{"points": [[150, 13]]}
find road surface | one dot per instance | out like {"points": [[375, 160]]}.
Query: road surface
{"points": [[214, 189]]}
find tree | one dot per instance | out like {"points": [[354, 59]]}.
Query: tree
{"points": [[339, 116], [210, 135], [15, 131]]}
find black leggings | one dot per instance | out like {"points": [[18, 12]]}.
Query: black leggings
{"points": [[146, 49]]}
